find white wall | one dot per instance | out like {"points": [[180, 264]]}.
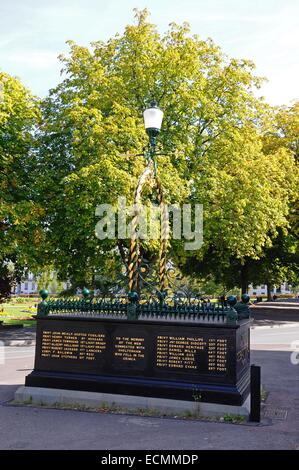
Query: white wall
{"points": [[262, 289]]}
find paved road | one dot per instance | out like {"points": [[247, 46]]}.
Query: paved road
{"points": [[275, 338], [35, 428], [276, 313]]}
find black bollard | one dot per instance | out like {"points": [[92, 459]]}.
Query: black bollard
{"points": [[255, 394]]}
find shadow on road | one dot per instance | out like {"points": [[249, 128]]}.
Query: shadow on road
{"points": [[18, 336]]}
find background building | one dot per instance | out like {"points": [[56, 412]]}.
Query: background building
{"points": [[31, 285], [262, 289]]}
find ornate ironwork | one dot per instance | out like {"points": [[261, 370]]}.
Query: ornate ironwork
{"points": [[134, 257], [124, 308]]}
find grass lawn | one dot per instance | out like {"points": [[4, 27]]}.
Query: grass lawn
{"points": [[16, 313]]}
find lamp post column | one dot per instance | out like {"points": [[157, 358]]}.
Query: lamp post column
{"points": [[153, 117]]}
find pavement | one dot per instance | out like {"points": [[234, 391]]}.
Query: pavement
{"points": [[24, 427], [275, 313]]}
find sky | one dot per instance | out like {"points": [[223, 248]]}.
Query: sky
{"points": [[33, 33]]}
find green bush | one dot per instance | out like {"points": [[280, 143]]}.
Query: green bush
{"points": [[21, 300]]}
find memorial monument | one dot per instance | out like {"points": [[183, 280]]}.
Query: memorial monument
{"points": [[164, 347]]}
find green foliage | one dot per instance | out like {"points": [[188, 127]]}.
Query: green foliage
{"points": [[285, 135], [235, 419], [221, 147], [212, 133], [19, 210], [47, 279], [285, 130], [273, 227], [278, 264]]}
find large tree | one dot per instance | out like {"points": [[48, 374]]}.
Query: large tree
{"points": [[278, 260], [276, 265], [212, 137], [284, 133], [19, 210]]}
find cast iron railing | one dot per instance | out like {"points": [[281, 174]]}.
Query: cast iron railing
{"points": [[175, 309]]}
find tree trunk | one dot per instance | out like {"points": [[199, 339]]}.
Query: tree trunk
{"points": [[244, 279], [269, 288]]}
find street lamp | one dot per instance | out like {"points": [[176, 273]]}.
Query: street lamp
{"points": [[153, 117]]}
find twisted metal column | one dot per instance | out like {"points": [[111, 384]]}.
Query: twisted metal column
{"points": [[133, 266], [164, 237], [134, 251]]}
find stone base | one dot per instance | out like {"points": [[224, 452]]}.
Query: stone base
{"points": [[51, 396]]}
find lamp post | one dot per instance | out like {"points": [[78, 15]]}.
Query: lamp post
{"points": [[153, 117]]}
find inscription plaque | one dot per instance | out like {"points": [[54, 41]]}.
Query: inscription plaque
{"points": [[148, 358], [128, 348], [70, 345]]}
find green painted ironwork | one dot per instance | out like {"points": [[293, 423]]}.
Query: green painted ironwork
{"points": [[175, 308]]}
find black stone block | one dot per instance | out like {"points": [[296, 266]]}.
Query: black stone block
{"points": [[208, 363]]}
